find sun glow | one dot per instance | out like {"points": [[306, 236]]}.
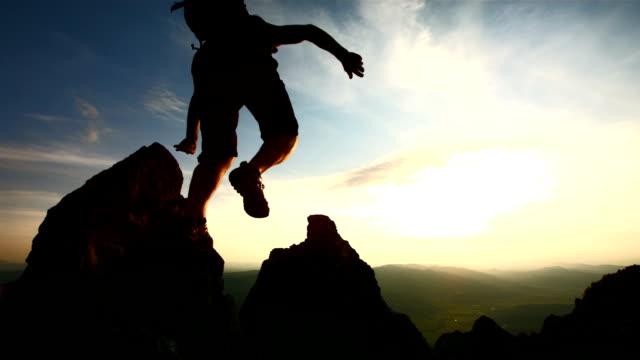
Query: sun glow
{"points": [[461, 197]]}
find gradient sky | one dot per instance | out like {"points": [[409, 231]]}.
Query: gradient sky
{"points": [[484, 134]]}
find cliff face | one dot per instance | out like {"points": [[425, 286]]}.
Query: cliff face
{"points": [[110, 274], [109, 217], [319, 300]]}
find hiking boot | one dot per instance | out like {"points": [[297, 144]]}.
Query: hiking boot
{"points": [[248, 183]]}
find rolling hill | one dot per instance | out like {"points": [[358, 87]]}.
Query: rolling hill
{"points": [[442, 299]]}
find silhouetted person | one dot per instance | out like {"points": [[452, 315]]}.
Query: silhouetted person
{"points": [[233, 68]]}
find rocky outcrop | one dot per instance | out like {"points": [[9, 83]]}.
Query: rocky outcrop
{"points": [[110, 275], [604, 324], [486, 340], [113, 273], [319, 300]]}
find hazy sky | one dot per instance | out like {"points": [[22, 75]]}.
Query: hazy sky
{"points": [[485, 133]]}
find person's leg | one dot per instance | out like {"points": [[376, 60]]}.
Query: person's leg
{"points": [[247, 179], [273, 151], [205, 180], [269, 103], [218, 115], [215, 104]]}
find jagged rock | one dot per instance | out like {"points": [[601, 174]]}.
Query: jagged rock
{"points": [[486, 340], [605, 324], [110, 274], [319, 300], [105, 218]]}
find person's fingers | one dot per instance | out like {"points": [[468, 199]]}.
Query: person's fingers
{"points": [[357, 70]]}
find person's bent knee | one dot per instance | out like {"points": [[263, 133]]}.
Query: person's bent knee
{"points": [[285, 141]]}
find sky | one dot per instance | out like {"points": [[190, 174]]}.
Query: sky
{"points": [[486, 134]]}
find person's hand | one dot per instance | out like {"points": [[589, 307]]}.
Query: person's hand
{"points": [[352, 64], [187, 146]]}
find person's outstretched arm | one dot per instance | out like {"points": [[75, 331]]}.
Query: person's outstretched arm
{"points": [[294, 34]]}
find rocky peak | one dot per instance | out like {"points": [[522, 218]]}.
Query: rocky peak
{"points": [[111, 275], [322, 228], [318, 300]]}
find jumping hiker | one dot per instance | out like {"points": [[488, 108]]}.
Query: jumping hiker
{"points": [[233, 67]]}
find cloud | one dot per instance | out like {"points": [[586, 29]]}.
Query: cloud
{"points": [[367, 175], [95, 128], [13, 214], [92, 136], [47, 118], [51, 154], [94, 132], [86, 109], [16, 196], [396, 169], [90, 119], [16, 204], [163, 103]]}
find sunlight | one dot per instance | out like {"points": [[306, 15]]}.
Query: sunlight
{"points": [[460, 198]]}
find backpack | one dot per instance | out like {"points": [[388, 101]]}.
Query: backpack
{"points": [[205, 17]]}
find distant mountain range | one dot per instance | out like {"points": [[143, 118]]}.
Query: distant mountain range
{"points": [[441, 299], [112, 272], [444, 299]]}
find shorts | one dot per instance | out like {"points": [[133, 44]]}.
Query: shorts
{"points": [[222, 89]]}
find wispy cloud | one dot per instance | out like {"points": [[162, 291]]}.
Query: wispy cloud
{"points": [[163, 103], [47, 118], [53, 155], [90, 120], [395, 169], [18, 203], [21, 213], [95, 132], [14, 196], [370, 174], [86, 109], [95, 128]]}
